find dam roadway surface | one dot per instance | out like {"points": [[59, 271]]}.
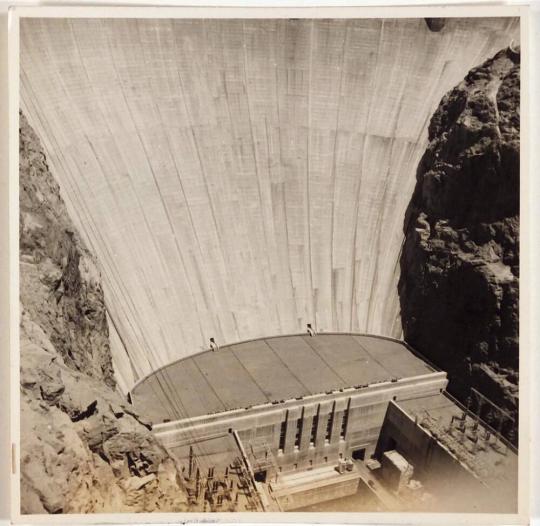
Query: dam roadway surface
{"points": [[238, 179]]}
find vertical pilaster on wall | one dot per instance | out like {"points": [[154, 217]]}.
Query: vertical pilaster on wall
{"points": [[336, 427], [344, 421], [275, 437], [324, 411], [329, 431], [306, 432], [282, 432], [293, 416]]}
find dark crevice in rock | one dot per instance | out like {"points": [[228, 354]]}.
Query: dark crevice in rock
{"points": [[87, 413], [137, 417]]}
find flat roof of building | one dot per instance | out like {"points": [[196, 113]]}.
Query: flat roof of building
{"points": [[271, 370]]}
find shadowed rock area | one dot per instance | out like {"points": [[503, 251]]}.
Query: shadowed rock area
{"points": [[83, 449], [460, 263]]}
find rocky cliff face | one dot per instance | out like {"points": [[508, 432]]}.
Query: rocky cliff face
{"points": [[460, 262], [83, 448]]}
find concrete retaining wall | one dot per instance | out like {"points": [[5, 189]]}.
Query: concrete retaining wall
{"points": [[438, 470]]}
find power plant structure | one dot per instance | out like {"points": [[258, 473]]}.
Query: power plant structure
{"points": [[304, 419], [243, 185]]}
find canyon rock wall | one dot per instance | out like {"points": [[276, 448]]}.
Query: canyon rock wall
{"points": [[459, 285], [83, 448]]}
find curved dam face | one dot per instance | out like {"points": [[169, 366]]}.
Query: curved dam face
{"points": [[241, 178]]}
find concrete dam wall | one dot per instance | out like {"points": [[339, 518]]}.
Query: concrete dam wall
{"points": [[239, 179]]}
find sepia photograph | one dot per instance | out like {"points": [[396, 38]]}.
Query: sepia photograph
{"points": [[269, 264]]}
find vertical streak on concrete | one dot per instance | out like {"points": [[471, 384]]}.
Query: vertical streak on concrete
{"points": [[311, 307], [333, 234]]}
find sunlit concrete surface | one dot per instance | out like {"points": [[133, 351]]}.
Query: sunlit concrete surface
{"points": [[239, 179], [306, 488]]}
